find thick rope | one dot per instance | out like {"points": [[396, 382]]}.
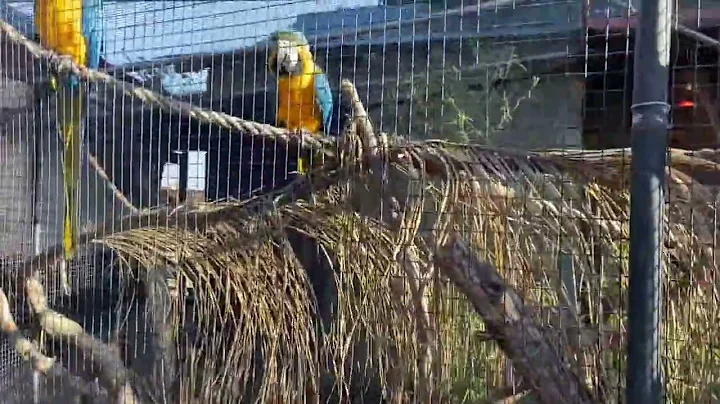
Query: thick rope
{"points": [[64, 64]]}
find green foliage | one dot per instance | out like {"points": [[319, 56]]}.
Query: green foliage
{"points": [[471, 354], [469, 102]]}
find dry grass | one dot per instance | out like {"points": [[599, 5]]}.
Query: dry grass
{"points": [[524, 212], [253, 290]]}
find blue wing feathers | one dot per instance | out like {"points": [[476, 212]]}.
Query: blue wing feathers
{"points": [[92, 30], [324, 98]]}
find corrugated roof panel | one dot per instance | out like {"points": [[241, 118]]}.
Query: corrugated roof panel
{"points": [[138, 31]]}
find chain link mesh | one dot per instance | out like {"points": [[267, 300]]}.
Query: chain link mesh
{"points": [[463, 235]]}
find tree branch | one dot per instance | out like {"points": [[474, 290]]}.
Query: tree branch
{"points": [[161, 357], [27, 349], [103, 361], [510, 325], [30, 352]]}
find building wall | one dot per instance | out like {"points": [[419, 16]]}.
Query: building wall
{"points": [[15, 192], [550, 118]]}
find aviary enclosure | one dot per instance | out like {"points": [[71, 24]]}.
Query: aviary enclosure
{"points": [[463, 237]]}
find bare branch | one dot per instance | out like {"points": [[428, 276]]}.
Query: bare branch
{"points": [[508, 322], [104, 362], [27, 349], [31, 353]]}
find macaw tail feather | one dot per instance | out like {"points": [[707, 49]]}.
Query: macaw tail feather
{"points": [[308, 161], [71, 106], [303, 165]]}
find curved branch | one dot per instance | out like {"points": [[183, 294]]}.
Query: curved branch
{"points": [[27, 349], [510, 325], [30, 352], [104, 362]]}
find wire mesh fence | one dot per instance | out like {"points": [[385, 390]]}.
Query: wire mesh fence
{"points": [[456, 228]]}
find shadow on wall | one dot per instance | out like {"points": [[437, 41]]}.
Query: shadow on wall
{"points": [[17, 73], [16, 202], [134, 146]]}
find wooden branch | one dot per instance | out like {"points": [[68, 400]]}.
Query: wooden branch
{"points": [[30, 352], [110, 184], [162, 353], [512, 398], [27, 349], [364, 127], [104, 362], [698, 36], [509, 324], [418, 280]]}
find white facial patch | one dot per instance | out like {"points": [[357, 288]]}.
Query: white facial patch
{"points": [[288, 56]]}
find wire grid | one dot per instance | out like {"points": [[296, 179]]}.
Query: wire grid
{"points": [[524, 75], [692, 372], [690, 300]]}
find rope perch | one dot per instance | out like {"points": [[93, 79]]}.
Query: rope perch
{"points": [[65, 64]]}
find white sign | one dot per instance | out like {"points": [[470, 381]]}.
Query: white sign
{"points": [[170, 177], [196, 173], [196, 170]]}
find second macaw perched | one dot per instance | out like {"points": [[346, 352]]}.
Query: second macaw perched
{"points": [[70, 27], [305, 100]]}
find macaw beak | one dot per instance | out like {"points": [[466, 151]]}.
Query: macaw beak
{"points": [[285, 58], [283, 71], [275, 66]]}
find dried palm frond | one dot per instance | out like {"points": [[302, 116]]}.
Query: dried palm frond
{"points": [[520, 210], [260, 332], [251, 289]]}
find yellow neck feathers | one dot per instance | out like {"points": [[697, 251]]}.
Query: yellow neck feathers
{"points": [[297, 106]]}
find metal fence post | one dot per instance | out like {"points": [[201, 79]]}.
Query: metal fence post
{"points": [[649, 149]]}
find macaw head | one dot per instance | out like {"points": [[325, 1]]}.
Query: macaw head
{"points": [[288, 51]]}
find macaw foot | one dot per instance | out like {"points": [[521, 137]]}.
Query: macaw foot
{"points": [[49, 86]]}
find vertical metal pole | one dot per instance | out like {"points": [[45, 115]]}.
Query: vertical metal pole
{"points": [[182, 159], [649, 149]]}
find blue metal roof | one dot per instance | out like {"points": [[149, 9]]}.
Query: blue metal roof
{"points": [[137, 31]]}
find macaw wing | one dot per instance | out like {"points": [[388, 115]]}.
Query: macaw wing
{"points": [[92, 30], [324, 99]]}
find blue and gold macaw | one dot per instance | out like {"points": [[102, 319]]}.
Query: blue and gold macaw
{"points": [[72, 28], [305, 100]]}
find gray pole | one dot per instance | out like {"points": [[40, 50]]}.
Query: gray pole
{"points": [[649, 151]]}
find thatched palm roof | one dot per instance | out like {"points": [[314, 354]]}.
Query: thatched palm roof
{"points": [[252, 283], [376, 218]]}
